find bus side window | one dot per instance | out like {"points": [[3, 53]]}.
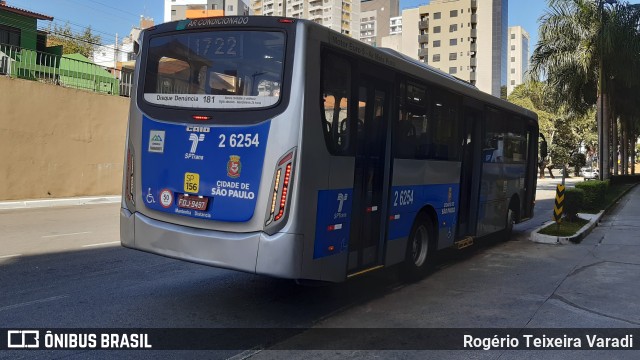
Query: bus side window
{"points": [[493, 150], [445, 127], [335, 91], [410, 129], [516, 141]]}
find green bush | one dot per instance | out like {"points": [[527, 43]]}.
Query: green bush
{"points": [[573, 203], [624, 179], [594, 193]]}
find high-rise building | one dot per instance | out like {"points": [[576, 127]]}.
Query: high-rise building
{"points": [[518, 57], [375, 16], [340, 15], [465, 38], [191, 9]]}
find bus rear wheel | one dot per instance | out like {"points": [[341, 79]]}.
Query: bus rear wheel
{"points": [[511, 220], [419, 256]]}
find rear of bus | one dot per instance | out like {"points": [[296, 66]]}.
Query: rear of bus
{"points": [[212, 145]]}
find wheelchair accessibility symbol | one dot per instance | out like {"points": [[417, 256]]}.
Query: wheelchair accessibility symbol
{"points": [[150, 199]]}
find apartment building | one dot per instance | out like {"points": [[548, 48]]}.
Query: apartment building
{"points": [[183, 9], [395, 25], [340, 15], [404, 39], [375, 18], [518, 57], [465, 38]]}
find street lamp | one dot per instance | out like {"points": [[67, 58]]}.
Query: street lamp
{"points": [[603, 136]]}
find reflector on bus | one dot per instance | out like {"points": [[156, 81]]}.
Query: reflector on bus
{"points": [[130, 180]]}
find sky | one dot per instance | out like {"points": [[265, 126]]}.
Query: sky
{"points": [[110, 17]]}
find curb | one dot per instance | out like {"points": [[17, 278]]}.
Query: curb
{"points": [[42, 203], [594, 219]]}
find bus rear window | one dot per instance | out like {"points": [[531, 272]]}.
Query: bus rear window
{"points": [[215, 69]]}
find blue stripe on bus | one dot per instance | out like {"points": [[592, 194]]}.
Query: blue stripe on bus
{"points": [[224, 162], [333, 217], [406, 201]]}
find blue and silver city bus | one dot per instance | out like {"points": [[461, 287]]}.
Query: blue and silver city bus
{"points": [[277, 146]]}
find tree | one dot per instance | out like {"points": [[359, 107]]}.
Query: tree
{"points": [[565, 131], [583, 48], [623, 81], [532, 96], [571, 131], [72, 43]]}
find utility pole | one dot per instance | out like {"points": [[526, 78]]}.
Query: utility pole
{"points": [[115, 54]]}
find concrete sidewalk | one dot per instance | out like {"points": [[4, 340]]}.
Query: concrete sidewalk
{"points": [[518, 284], [43, 203]]}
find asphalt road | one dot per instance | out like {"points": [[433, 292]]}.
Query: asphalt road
{"points": [[63, 267]]}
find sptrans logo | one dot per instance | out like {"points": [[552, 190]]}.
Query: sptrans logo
{"points": [[195, 140]]}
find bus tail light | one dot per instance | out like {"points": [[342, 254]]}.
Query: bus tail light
{"points": [[280, 192], [130, 180]]}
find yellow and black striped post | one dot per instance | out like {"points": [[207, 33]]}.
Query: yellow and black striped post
{"points": [[558, 207]]}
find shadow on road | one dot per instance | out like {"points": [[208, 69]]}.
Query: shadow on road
{"points": [[117, 287]]}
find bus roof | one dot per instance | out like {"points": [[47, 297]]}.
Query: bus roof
{"points": [[425, 66], [414, 67], [410, 65]]}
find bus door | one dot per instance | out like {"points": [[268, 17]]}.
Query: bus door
{"points": [[470, 173], [370, 178]]}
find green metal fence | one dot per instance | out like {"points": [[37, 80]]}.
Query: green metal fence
{"points": [[73, 70]]}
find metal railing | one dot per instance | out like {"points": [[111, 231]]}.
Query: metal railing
{"points": [[126, 83], [61, 70]]}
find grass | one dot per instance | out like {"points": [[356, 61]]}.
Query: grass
{"points": [[566, 228], [571, 228]]}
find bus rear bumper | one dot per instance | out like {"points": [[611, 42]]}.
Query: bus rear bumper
{"points": [[256, 252]]}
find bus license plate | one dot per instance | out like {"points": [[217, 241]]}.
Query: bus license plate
{"points": [[192, 202]]}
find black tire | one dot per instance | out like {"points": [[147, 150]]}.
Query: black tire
{"points": [[420, 248], [511, 220]]}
